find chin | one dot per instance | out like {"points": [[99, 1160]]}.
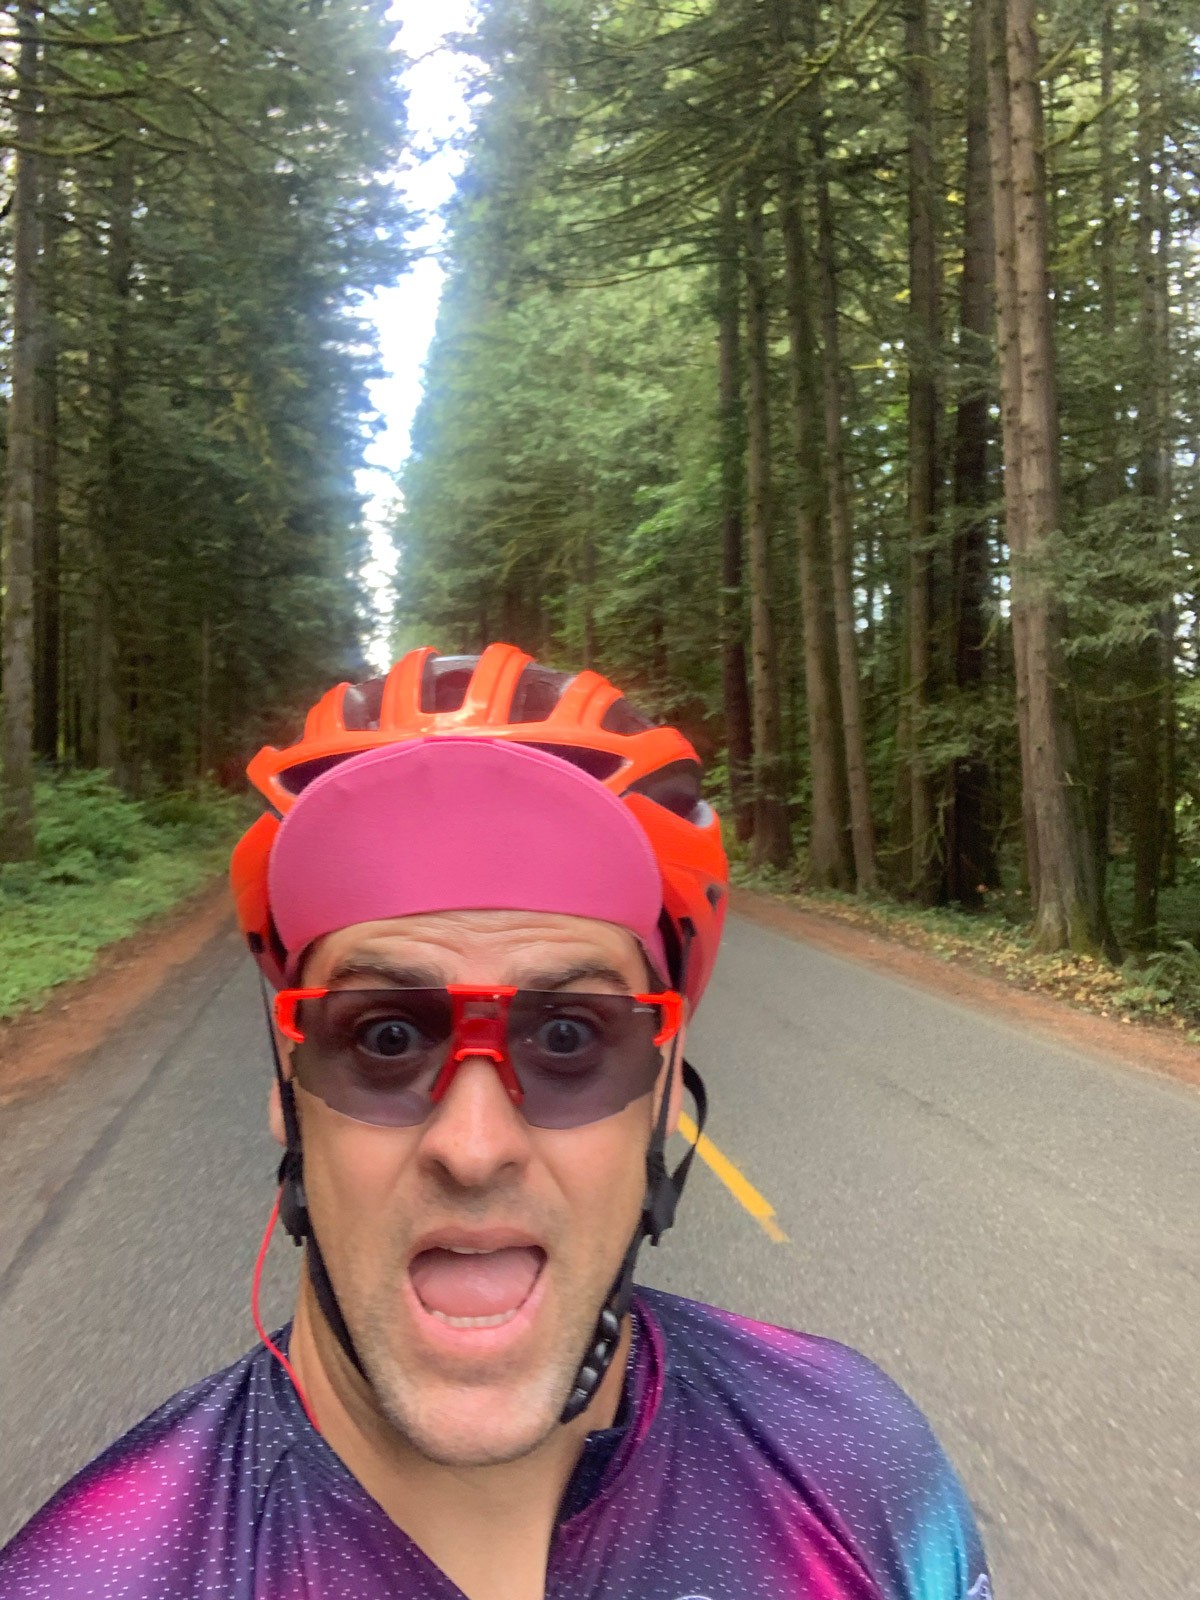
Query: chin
{"points": [[476, 1400], [472, 1425]]}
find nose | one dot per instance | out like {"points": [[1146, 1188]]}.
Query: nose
{"points": [[475, 1135]]}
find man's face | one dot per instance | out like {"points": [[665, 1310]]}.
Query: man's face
{"points": [[472, 1356]]}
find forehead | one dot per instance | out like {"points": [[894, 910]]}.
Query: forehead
{"points": [[479, 947]]}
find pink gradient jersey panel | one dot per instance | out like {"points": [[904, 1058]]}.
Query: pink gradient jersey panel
{"points": [[752, 1464]]}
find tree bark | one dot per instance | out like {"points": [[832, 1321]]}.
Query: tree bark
{"points": [[771, 843], [735, 689], [1109, 471], [831, 863], [830, 856], [591, 643], [1170, 782], [16, 568], [1148, 666], [47, 601], [204, 730], [1008, 345], [1170, 622], [1068, 914], [115, 490], [970, 855], [922, 353], [841, 536]]}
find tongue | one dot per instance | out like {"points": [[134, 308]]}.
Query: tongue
{"points": [[475, 1286]]}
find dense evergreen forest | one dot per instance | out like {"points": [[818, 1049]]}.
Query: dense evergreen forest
{"points": [[197, 198], [826, 372]]}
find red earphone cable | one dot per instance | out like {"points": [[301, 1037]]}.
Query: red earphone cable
{"points": [[262, 1332]]}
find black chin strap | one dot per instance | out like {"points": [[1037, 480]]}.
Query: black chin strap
{"points": [[663, 1191], [293, 1207]]}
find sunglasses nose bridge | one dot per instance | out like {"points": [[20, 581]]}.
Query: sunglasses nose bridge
{"points": [[479, 1028]]}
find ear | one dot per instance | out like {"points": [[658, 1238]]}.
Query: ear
{"points": [[275, 1115], [675, 1105]]}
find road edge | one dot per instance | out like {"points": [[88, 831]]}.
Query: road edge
{"points": [[38, 1049], [1130, 1043]]}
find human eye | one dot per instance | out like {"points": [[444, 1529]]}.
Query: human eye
{"points": [[390, 1039], [567, 1036]]}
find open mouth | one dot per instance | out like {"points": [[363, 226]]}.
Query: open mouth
{"points": [[472, 1288]]}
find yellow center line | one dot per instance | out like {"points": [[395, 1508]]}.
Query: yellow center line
{"points": [[736, 1182]]}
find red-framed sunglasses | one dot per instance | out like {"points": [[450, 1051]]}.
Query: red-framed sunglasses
{"points": [[387, 1056]]}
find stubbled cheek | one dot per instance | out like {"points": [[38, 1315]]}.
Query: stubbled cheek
{"points": [[355, 1186], [607, 1197]]}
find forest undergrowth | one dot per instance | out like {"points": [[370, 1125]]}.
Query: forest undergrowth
{"points": [[1162, 987], [105, 865]]}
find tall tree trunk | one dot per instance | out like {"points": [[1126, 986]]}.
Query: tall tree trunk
{"points": [[204, 731], [922, 354], [841, 534], [831, 863], [1145, 722], [1008, 346], [47, 599], [830, 855], [735, 689], [114, 510], [1170, 619], [1148, 674], [1068, 913], [1110, 472], [16, 568], [587, 507], [591, 644], [1170, 783], [771, 843], [970, 854]]}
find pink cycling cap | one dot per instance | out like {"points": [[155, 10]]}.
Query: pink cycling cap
{"points": [[460, 824]]}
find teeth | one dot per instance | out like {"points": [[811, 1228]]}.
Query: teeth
{"points": [[474, 1322], [462, 1250]]}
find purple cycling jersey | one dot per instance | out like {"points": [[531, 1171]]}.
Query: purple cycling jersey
{"points": [[749, 1463]]}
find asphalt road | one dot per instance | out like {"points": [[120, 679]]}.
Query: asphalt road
{"points": [[1012, 1230]]}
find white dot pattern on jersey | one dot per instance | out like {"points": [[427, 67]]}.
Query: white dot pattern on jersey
{"points": [[758, 1465]]}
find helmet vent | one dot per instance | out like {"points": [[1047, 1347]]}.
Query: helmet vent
{"points": [[362, 704], [538, 691], [296, 779], [445, 682], [625, 719], [675, 787], [599, 764]]}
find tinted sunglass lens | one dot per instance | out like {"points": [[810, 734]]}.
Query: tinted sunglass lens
{"points": [[580, 1057], [373, 1054]]}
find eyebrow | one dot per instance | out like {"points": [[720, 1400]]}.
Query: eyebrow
{"points": [[394, 973], [399, 976], [562, 977]]}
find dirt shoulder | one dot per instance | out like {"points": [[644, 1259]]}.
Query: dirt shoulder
{"points": [[40, 1048], [1136, 1044]]}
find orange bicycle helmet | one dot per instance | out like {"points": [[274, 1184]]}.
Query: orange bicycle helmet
{"points": [[505, 695]]}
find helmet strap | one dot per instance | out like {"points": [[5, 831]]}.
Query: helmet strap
{"points": [[293, 1208], [663, 1191]]}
